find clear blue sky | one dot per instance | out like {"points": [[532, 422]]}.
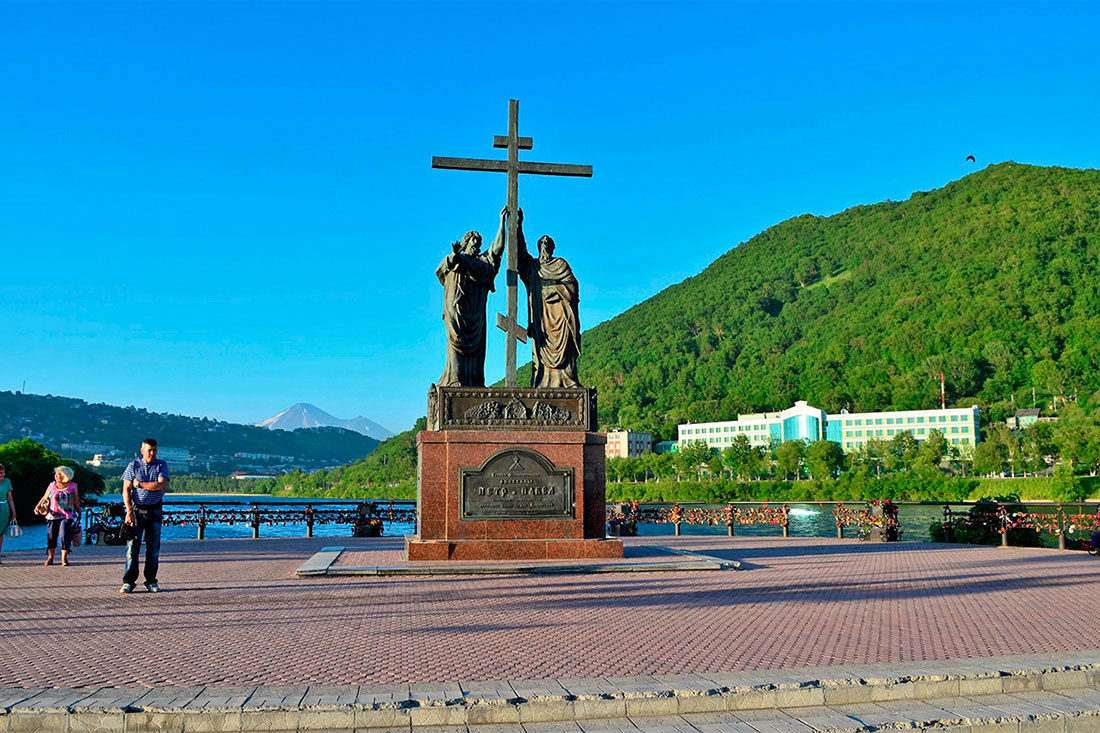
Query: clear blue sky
{"points": [[221, 209]]}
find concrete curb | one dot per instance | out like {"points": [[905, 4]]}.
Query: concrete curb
{"points": [[322, 562], [959, 686]]}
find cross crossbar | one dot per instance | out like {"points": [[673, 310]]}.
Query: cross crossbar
{"points": [[501, 141], [512, 328], [501, 166]]}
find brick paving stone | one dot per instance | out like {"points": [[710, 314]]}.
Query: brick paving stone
{"points": [[773, 721], [435, 694], [615, 725], [221, 698], [539, 689], [167, 698], [643, 685], [967, 708], [665, 724], [686, 684], [51, 700], [232, 613], [1056, 702], [382, 695], [873, 715], [111, 698], [487, 692], [719, 723], [552, 727], [331, 695], [589, 687], [822, 718], [285, 698], [1086, 697], [10, 696]]}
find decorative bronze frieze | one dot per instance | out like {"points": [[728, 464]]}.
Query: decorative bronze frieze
{"points": [[511, 408]]}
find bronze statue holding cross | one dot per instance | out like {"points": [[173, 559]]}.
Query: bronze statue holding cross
{"points": [[554, 325]]}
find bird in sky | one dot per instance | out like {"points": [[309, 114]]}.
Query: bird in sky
{"points": [[970, 158]]}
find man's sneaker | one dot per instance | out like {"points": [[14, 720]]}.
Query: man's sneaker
{"points": [[126, 588], [153, 588]]}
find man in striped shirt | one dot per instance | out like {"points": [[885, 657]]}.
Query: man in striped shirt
{"points": [[144, 482]]}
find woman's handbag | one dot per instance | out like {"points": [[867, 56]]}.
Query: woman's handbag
{"points": [[13, 530], [74, 531]]}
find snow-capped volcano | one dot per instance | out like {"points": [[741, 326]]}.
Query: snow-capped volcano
{"points": [[305, 415]]}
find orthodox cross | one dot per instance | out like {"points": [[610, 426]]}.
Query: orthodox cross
{"points": [[513, 167]]}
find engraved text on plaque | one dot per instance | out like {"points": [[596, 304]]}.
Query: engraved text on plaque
{"points": [[517, 483]]}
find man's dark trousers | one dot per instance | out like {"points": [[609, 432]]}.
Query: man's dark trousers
{"points": [[147, 521]]}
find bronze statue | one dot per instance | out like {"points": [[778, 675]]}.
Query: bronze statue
{"points": [[552, 300], [467, 276]]}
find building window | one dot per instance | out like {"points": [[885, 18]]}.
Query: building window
{"points": [[920, 419]]}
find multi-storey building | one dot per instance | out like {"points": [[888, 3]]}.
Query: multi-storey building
{"points": [[627, 443], [804, 422], [178, 459]]}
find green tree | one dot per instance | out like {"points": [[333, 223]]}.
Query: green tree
{"points": [[30, 466], [614, 468], [990, 458], [825, 459], [873, 454], [931, 452], [902, 453], [738, 457], [790, 456], [692, 458], [664, 466]]}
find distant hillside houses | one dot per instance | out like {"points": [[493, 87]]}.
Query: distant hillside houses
{"points": [[805, 422]]}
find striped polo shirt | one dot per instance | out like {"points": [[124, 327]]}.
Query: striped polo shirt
{"points": [[142, 471]]}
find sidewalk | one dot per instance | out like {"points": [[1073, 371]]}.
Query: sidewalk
{"points": [[233, 613]]}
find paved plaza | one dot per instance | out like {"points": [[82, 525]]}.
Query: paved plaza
{"points": [[233, 613]]}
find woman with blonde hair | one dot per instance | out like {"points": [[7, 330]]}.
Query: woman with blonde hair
{"points": [[7, 506], [61, 505]]}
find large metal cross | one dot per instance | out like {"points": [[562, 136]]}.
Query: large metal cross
{"points": [[513, 167]]}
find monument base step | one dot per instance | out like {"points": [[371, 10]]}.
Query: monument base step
{"points": [[418, 550]]}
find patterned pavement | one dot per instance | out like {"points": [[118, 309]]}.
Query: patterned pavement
{"points": [[232, 613]]}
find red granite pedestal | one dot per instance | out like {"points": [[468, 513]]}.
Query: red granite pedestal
{"points": [[446, 534]]}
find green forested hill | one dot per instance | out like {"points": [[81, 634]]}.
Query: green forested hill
{"points": [[57, 421], [992, 279]]}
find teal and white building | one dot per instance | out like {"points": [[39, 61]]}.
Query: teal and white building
{"points": [[805, 422]]}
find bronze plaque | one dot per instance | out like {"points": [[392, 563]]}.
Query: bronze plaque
{"points": [[517, 483]]}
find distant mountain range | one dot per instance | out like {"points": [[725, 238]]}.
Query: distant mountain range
{"points": [[305, 415], [78, 429]]}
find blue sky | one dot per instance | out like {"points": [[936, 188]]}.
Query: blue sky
{"points": [[221, 209]]}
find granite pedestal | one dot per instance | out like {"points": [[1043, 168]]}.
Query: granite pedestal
{"points": [[510, 495]]}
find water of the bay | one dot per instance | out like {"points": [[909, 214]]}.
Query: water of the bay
{"points": [[806, 520]]}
